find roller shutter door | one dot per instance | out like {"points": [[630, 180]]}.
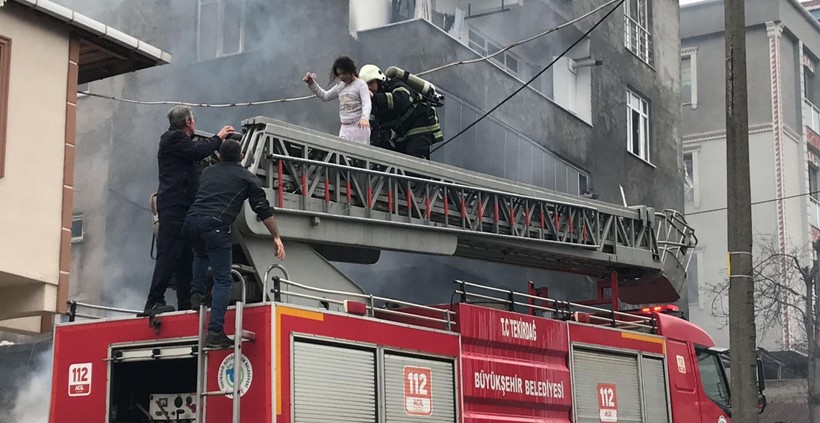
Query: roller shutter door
{"points": [[654, 390], [333, 384], [591, 368], [440, 388]]}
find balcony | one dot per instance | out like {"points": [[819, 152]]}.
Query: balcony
{"points": [[814, 212], [638, 40]]}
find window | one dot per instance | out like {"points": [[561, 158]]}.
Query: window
{"points": [[221, 28], [809, 77], [713, 377], [686, 80], [689, 77], [77, 232], [637, 38], [572, 81], [690, 179], [637, 125], [813, 175], [486, 47], [5, 75]]}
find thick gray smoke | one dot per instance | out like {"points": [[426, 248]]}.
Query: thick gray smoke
{"points": [[31, 405], [25, 381]]}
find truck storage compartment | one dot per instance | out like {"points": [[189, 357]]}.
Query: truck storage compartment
{"points": [[153, 383], [619, 387]]}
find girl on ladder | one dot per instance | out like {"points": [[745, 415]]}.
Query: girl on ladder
{"points": [[354, 99]]}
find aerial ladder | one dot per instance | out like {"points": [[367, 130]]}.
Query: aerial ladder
{"points": [[343, 201]]}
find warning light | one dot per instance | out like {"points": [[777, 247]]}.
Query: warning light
{"points": [[666, 308]]}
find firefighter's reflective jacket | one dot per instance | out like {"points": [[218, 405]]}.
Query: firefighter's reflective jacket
{"points": [[402, 112]]}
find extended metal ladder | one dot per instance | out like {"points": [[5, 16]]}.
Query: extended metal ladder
{"points": [[240, 335], [323, 186]]}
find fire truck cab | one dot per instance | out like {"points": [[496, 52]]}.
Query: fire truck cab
{"points": [[494, 356]]}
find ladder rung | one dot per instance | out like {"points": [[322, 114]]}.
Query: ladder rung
{"points": [[216, 393], [248, 335]]}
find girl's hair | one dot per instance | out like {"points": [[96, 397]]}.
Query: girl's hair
{"points": [[345, 64]]}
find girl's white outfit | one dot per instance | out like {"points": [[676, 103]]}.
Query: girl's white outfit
{"points": [[354, 104]]}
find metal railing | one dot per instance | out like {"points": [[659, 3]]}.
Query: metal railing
{"points": [[72, 313], [563, 310], [638, 40], [374, 304], [675, 237]]}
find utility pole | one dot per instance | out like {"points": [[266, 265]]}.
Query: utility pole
{"points": [[742, 335]]}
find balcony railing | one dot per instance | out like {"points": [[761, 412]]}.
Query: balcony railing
{"points": [[811, 116], [638, 40], [814, 212]]}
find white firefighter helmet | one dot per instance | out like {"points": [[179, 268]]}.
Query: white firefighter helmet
{"points": [[371, 72]]}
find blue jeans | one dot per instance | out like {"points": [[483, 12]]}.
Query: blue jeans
{"points": [[211, 240]]}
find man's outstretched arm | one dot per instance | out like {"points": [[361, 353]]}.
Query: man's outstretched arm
{"points": [[270, 223]]}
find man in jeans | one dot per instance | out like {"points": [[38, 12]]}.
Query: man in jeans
{"points": [[178, 176], [223, 188]]}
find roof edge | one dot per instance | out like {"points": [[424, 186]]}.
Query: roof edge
{"points": [[97, 29]]}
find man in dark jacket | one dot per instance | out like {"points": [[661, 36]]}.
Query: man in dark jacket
{"points": [[222, 190], [402, 121], [178, 178]]}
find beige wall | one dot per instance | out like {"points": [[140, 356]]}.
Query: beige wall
{"points": [[31, 192]]}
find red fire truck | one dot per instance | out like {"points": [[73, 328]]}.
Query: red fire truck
{"points": [[492, 356], [324, 352]]}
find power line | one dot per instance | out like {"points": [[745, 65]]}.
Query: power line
{"points": [[755, 203], [526, 84], [184, 103], [308, 97]]}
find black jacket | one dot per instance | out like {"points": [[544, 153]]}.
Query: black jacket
{"points": [[398, 107], [178, 170], [222, 189]]}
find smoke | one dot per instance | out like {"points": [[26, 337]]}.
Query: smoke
{"points": [[32, 403], [25, 379]]}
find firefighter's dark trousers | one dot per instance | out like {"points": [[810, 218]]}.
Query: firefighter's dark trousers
{"points": [[211, 239], [174, 258], [416, 145]]}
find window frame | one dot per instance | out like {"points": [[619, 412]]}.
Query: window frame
{"points": [[77, 217], [642, 45], [484, 50], [5, 77], [695, 153], [643, 152], [692, 55], [720, 372], [220, 28]]}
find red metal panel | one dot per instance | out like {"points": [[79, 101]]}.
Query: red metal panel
{"points": [[683, 388], [346, 328], [514, 366], [89, 343], [606, 337], [676, 328]]}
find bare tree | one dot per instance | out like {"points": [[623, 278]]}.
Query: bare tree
{"points": [[786, 284]]}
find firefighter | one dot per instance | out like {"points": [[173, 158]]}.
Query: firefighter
{"points": [[223, 188], [178, 176], [401, 118]]}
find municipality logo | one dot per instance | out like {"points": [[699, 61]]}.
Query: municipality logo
{"points": [[227, 375]]}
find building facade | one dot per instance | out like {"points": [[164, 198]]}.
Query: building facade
{"points": [[783, 40], [45, 50], [604, 117]]}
